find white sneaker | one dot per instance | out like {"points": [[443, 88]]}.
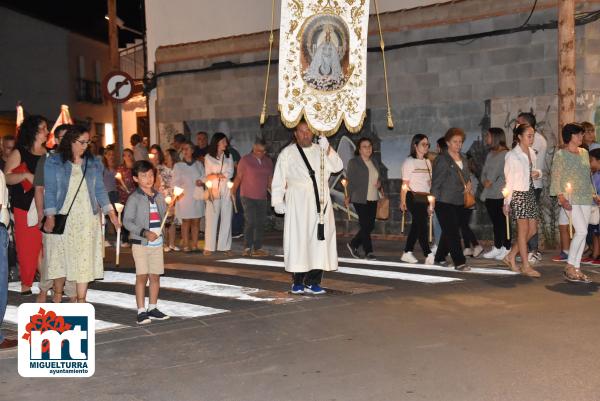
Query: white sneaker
{"points": [[492, 253], [167, 249], [408, 257], [477, 251], [430, 259], [467, 252], [107, 244], [502, 254], [531, 258]]}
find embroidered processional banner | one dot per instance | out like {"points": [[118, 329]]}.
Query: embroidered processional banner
{"points": [[323, 63]]}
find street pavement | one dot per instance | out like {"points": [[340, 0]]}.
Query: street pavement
{"points": [[386, 330]]}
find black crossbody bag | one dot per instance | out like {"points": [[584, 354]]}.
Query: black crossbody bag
{"points": [[60, 220], [311, 172]]}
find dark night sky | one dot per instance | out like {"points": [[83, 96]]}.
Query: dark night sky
{"points": [[83, 16]]}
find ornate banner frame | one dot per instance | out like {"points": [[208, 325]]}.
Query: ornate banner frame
{"points": [[323, 64]]}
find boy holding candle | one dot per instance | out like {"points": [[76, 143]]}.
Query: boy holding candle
{"points": [[144, 212]]}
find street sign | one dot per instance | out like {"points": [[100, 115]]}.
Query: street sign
{"points": [[117, 86]]}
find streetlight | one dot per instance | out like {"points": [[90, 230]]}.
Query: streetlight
{"points": [[121, 25]]}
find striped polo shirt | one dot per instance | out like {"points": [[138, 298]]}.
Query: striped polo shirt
{"points": [[155, 223]]}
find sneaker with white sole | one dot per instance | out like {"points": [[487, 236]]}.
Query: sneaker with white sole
{"points": [[155, 314], [353, 251], [298, 289], [143, 318], [107, 244], [492, 253], [314, 289], [502, 254], [430, 259], [531, 258], [408, 257], [477, 251], [467, 252]]}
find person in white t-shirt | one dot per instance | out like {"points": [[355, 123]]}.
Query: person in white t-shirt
{"points": [[416, 185], [540, 146]]}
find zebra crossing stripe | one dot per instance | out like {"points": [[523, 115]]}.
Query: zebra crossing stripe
{"points": [[195, 286], [12, 317], [474, 270], [127, 301], [421, 278]]}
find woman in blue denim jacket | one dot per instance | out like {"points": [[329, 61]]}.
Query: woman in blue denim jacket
{"points": [[79, 254]]}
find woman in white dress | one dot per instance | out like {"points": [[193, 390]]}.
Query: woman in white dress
{"points": [[218, 165], [188, 174]]}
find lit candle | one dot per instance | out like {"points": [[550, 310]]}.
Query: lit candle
{"points": [[119, 208], [345, 185], [505, 194], [177, 192], [569, 191], [119, 178], [431, 200], [151, 156], [403, 194], [229, 186], [209, 186]]}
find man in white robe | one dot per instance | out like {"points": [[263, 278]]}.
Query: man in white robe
{"points": [[292, 194]]}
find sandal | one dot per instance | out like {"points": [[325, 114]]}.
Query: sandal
{"points": [[530, 272], [512, 266], [574, 275], [57, 295]]}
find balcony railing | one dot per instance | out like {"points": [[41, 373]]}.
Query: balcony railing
{"points": [[89, 91]]}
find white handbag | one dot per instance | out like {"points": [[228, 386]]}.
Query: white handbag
{"points": [[595, 216], [32, 215]]}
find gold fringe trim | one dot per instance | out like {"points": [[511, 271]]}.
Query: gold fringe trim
{"points": [[293, 123]]}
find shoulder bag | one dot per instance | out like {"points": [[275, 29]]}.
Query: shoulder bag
{"points": [[60, 220], [469, 198], [311, 172], [595, 214], [383, 207]]}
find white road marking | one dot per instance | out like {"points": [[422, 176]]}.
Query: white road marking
{"points": [[194, 286], [474, 270], [11, 316], [127, 301], [421, 278]]}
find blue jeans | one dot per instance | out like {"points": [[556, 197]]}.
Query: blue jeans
{"points": [[3, 275]]}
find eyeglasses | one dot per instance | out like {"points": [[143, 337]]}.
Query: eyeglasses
{"points": [[83, 143]]}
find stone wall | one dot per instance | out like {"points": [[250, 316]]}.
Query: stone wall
{"points": [[432, 87]]}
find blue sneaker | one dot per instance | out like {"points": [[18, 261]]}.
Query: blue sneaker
{"points": [[561, 258], [297, 289], [315, 289]]}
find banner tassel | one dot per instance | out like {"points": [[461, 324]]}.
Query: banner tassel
{"points": [[390, 121], [263, 114]]}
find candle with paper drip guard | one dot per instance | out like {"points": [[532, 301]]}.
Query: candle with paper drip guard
{"points": [[177, 191], [569, 191], [404, 191], [345, 185], [119, 208], [229, 186], [119, 178], [431, 200], [209, 186], [505, 195]]}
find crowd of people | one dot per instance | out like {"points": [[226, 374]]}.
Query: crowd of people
{"points": [[59, 202], [59, 197], [440, 186]]}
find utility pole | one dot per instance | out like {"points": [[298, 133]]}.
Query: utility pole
{"points": [[115, 65], [566, 64]]}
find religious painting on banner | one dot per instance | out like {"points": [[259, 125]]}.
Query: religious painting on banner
{"points": [[323, 63]]}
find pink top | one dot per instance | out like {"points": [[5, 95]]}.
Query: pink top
{"points": [[254, 175]]}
